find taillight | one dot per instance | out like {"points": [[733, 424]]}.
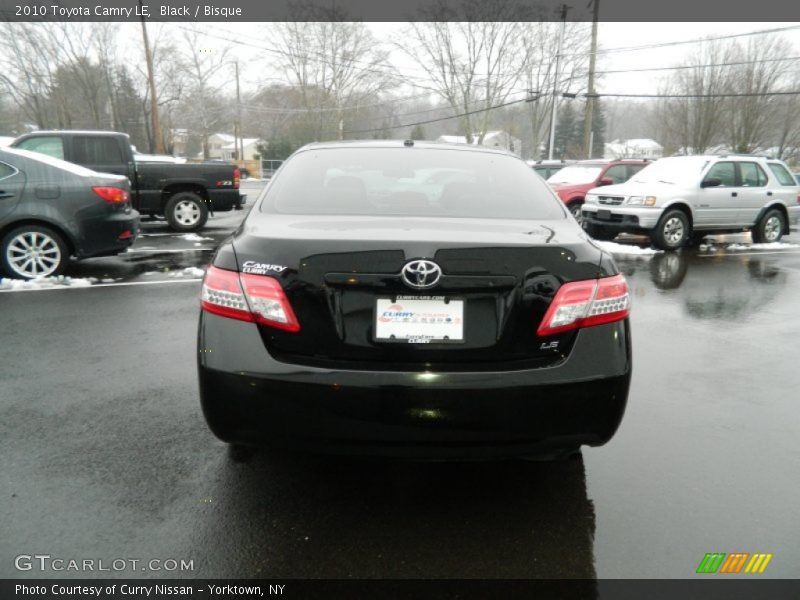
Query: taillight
{"points": [[112, 195], [586, 303], [247, 297], [237, 177]]}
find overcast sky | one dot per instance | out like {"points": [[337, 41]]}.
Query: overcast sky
{"points": [[610, 36]]}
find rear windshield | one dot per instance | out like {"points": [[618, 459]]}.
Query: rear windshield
{"points": [[410, 182]]}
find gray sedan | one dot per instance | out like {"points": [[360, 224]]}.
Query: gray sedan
{"points": [[51, 210]]}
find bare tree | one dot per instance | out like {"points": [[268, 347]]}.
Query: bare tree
{"points": [[473, 64], [541, 42], [335, 65], [694, 124], [202, 67], [756, 76], [26, 65]]}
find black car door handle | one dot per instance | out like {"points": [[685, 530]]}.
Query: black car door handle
{"points": [[769, 193], [5, 194], [734, 194]]}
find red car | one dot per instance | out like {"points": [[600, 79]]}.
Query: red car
{"points": [[572, 182]]}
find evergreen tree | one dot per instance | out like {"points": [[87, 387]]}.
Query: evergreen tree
{"points": [[418, 133], [599, 130]]}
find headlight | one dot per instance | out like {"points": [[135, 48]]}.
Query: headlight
{"points": [[590, 199], [642, 200]]}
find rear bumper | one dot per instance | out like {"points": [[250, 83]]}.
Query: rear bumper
{"points": [[224, 200], [249, 397], [110, 235]]}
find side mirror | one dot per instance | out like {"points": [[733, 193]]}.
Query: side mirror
{"points": [[711, 182], [605, 181]]}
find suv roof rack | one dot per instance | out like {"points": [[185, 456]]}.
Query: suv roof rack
{"points": [[745, 154]]}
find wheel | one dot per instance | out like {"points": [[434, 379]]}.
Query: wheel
{"points": [[598, 232], [575, 209], [33, 251], [186, 211], [769, 228], [672, 230]]}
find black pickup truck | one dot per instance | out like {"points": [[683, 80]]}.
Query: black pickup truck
{"points": [[183, 193]]}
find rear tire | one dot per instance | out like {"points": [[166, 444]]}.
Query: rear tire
{"points": [[598, 232], [32, 251], [672, 231], [769, 228], [186, 211]]}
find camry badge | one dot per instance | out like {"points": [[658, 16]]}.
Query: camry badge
{"points": [[421, 274]]}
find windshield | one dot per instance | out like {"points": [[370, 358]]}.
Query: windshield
{"points": [[677, 169], [412, 182], [576, 175]]}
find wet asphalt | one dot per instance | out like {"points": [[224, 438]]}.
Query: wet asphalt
{"points": [[105, 454]]}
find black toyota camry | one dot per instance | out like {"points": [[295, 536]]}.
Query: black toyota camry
{"points": [[413, 299]]}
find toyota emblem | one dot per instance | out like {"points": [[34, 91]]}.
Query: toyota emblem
{"points": [[421, 274]]}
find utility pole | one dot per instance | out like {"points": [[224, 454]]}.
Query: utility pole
{"points": [[155, 123], [589, 114], [554, 111], [238, 132]]}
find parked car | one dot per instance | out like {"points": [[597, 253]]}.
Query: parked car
{"points": [[678, 200], [548, 168], [352, 313], [183, 193], [571, 183], [51, 209]]}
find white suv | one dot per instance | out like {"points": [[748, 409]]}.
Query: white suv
{"points": [[680, 199]]}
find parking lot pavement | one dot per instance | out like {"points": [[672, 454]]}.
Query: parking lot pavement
{"points": [[106, 455]]}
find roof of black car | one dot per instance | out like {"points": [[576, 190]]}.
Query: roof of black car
{"points": [[402, 144]]}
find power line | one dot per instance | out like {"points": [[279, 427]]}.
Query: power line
{"points": [[694, 41], [682, 67], [731, 95], [428, 121]]}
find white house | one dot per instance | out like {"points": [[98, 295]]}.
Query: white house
{"points": [[249, 148], [635, 148], [492, 139], [216, 142]]}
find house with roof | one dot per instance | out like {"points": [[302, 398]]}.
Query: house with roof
{"points": [[249, 149], [634, 148], [492, 139]]}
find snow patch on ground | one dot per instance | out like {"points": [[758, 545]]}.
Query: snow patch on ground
{"points": [[188, 272], [769, 246], [626, 249], [47, 283], [193, 237]]}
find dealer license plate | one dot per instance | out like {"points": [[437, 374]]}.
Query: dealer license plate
{"points": [[419, 320]]}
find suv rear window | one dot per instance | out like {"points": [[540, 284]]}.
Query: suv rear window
{"points": [[784, 177], [410, 182]]}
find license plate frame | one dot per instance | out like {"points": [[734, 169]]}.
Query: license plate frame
{"points": [[420, 307], [604, 214]]}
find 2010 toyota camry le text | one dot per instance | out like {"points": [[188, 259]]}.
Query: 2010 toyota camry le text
{"points": [[413, 299]]}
